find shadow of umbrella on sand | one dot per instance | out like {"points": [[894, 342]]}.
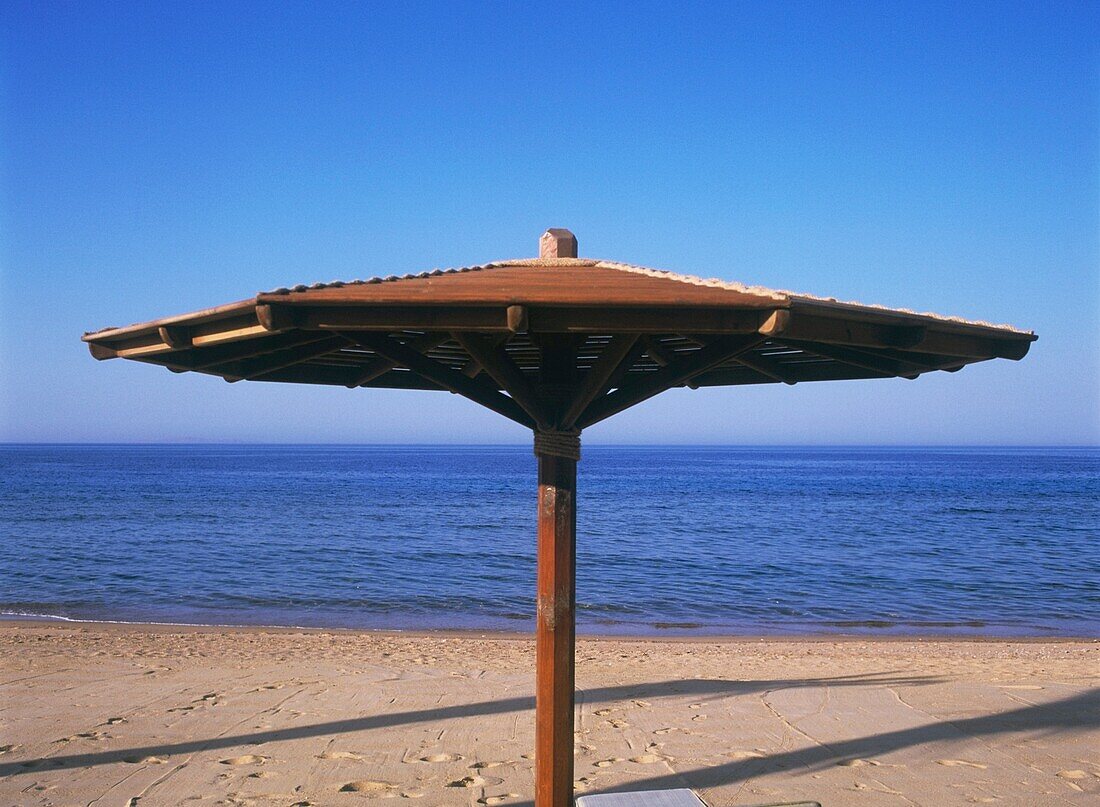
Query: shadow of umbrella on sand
{"points": [[556, 344]]}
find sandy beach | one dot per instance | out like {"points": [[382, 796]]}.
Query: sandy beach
{"points": [[147, 715]]}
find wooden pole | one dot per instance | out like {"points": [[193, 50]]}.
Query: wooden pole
{"points": [[557, 454]]}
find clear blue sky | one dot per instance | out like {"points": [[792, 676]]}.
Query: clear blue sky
{"points": [[162, 157]]}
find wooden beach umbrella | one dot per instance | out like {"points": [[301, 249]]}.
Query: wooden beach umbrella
{"points": [[557, 344]]}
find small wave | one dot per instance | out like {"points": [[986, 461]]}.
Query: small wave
{"points": [[17, 615], [888, 623], [678, 625], [34, 615]]}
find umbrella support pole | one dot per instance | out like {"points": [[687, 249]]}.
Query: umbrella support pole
{"points": [[557, 454]]}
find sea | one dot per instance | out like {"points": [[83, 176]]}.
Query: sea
{"points": [[671, 540]]}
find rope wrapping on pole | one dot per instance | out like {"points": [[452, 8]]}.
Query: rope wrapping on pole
{"points": [[565, 444]]}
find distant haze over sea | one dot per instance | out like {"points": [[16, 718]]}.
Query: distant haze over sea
{"points": [[685, 540]]}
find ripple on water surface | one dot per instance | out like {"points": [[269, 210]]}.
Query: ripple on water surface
{"points": [[670, 540]]}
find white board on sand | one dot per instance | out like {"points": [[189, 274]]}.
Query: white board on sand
{"points": [[680, 797]]}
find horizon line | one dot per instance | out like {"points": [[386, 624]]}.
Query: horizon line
{"points": [[90, 443]]}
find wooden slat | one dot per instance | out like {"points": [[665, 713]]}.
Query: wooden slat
{"points": [[310, 374], [614, 360], [920, 362], [807, 372], [861, 359], [101, 352], [403, 379], [645, 320], [447, 378], [227, 311], [473, 366], [674, 374], [208, 358], [175, 336], [900, 319], [257, 368], [380, 366], [481, 319], [388, 318], [766, 366], [656, 351], [504, 371], [806, 327], [217, 337]]}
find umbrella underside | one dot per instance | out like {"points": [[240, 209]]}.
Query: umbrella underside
{"points": [[553, 343]]}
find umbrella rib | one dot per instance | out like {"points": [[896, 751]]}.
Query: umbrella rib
{"points": [[888, 367], [256, 369], [208, 358], [473, 366], [405, 356], [500, 367], [381, 366], [768, 368], [656, 351], [920, 365], [765, 366], [617, 357], [673, 374]]}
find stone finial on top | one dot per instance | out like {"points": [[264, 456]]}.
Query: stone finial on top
{"points": [[557, 243]]}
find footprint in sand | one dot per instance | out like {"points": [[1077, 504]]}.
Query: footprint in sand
{"points": [[647, 759], [7, 749], [739, 755], [695, 706], [146, 760], [412, 794], [961, 763], [602, 712], [181, 708], [605, 763], [699, 717], [1072, 774], [441, 757], [247, 759], [338, 755], [583, 784], [617, 724], [482, 765], [260, 775], [642, 704], [366, 786], [114, 721], [84, 735], [859, 763], [497, 799], [474, 781]]}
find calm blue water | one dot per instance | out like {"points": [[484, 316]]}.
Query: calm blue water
{"points": [[707, 540]]}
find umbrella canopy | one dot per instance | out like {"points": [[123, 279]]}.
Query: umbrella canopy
{"points": [[555, 343]]}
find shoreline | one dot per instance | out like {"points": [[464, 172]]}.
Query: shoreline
{"points": [[495, 635]]}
